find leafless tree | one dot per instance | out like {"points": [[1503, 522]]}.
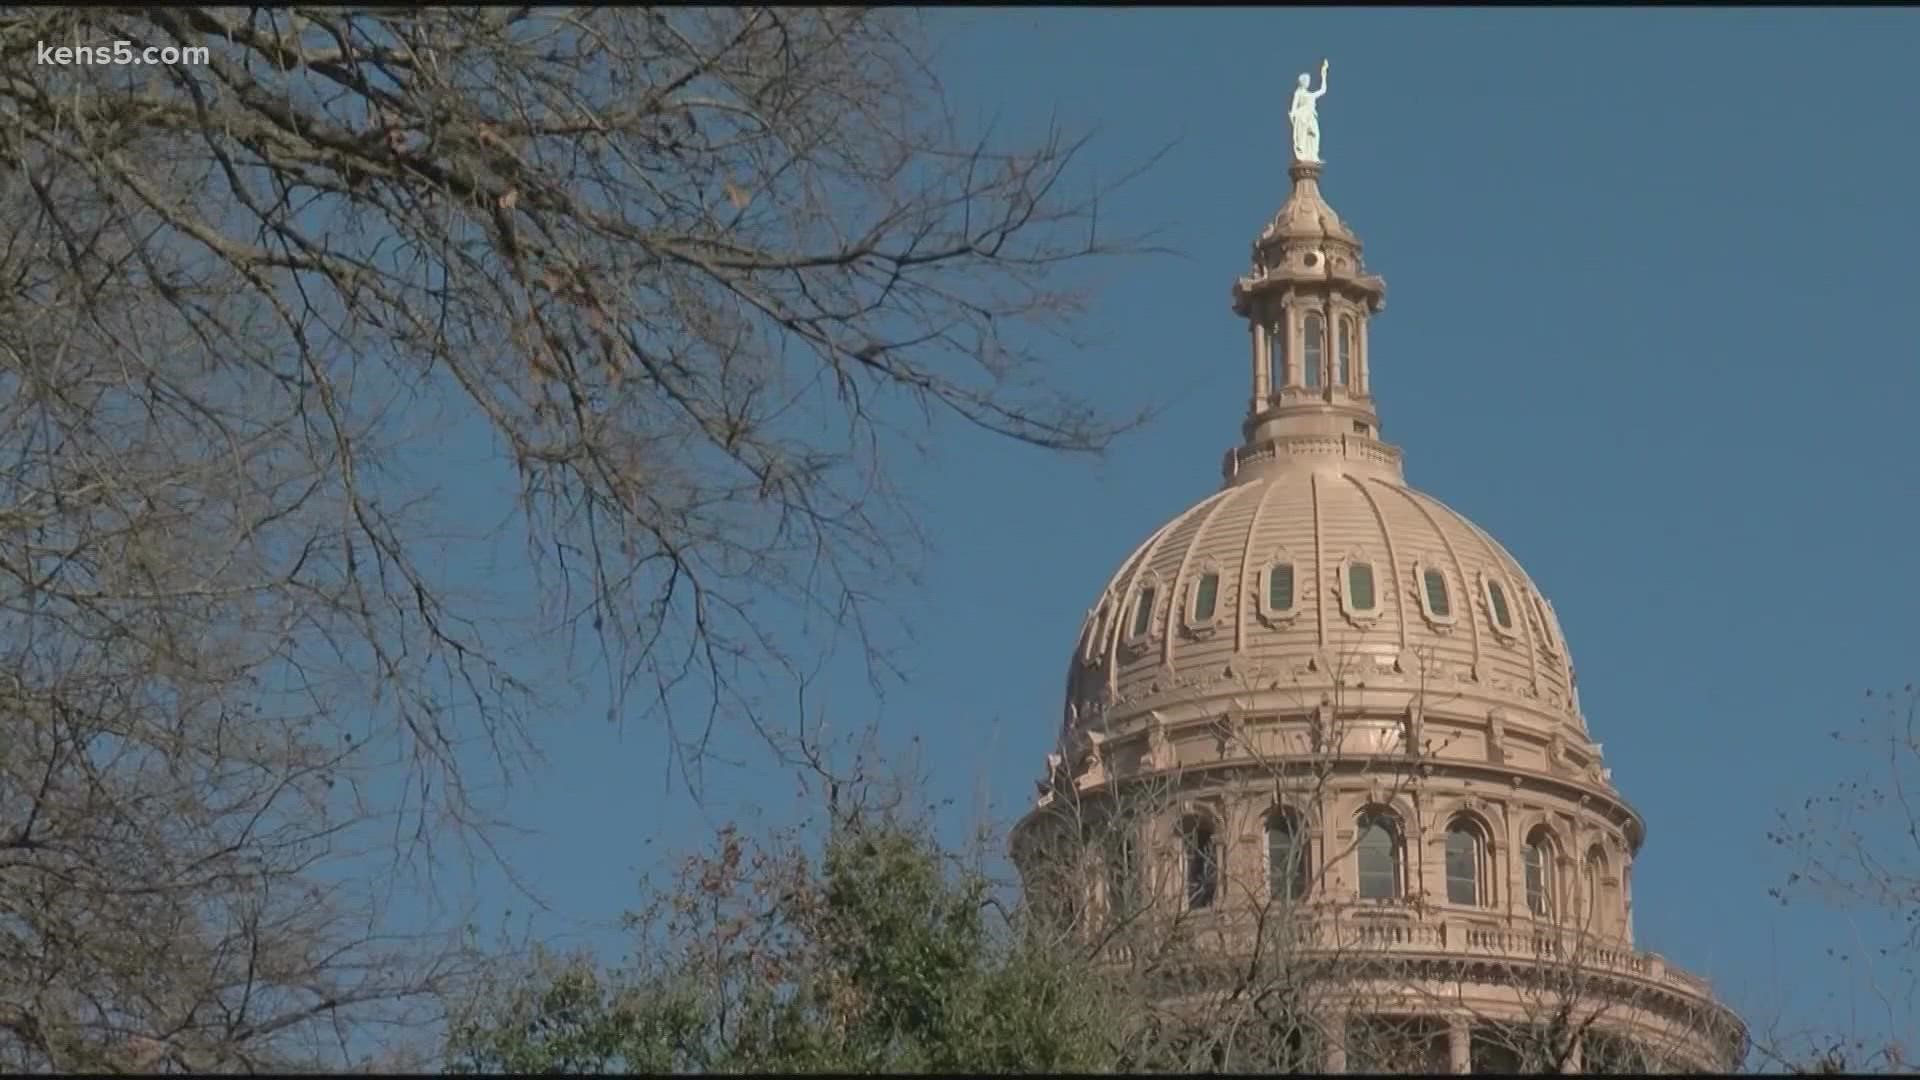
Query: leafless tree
{"points": [[680, 280], [1855, 851]]}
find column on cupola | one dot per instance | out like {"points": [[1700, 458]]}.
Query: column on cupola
{"points": [[1262, 363], [1363, 381]]}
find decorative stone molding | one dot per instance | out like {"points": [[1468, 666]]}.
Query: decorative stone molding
{"points": [[1160, 753], [1557, 760]]}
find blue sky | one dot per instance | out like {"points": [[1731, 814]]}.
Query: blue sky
{"points": [[1650, 275]]}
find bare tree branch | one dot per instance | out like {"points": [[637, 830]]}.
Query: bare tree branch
{"points": [[686, 276]]}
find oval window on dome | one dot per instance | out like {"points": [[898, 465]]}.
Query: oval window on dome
{"points": [[1090, 651], [1142, 613], [1280, 587], [1497, 605], [1360, 586], [1206, 597], [1547, 638], [1437, 599]]}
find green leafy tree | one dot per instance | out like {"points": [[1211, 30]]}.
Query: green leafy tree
{"points": [[883, 953]]}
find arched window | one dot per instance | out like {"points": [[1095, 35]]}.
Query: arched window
{"points": [[1467, 875], [1379, 855], [1313, 343], [1142, 613], [1288, 875], [1203, 862], [1276, 355], [1206, 597], [1343, 355], [1538, 861], [1599, 911]]}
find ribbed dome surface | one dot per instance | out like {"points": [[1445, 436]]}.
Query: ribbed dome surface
{"points": [[1438, 583], [1317, 577]]}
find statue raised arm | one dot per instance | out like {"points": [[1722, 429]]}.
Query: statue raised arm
{"points": [[1305, 116]]}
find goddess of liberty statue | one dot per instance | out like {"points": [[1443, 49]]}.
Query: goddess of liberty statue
{"points": [[1304, 112]]}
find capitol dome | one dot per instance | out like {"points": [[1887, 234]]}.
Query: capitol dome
{"points": [[1320, 569], [1316, 569], [1322, 700]]}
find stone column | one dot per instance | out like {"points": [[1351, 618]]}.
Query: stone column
{"points": [[1362, 377], [1459, 1045], [1574, 1065], [1262, 365], [1331, 875], [1333, 1030], [1282, 328], [1516, 876]]}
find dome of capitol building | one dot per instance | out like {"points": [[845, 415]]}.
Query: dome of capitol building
{"points": [[1322, 715]]}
